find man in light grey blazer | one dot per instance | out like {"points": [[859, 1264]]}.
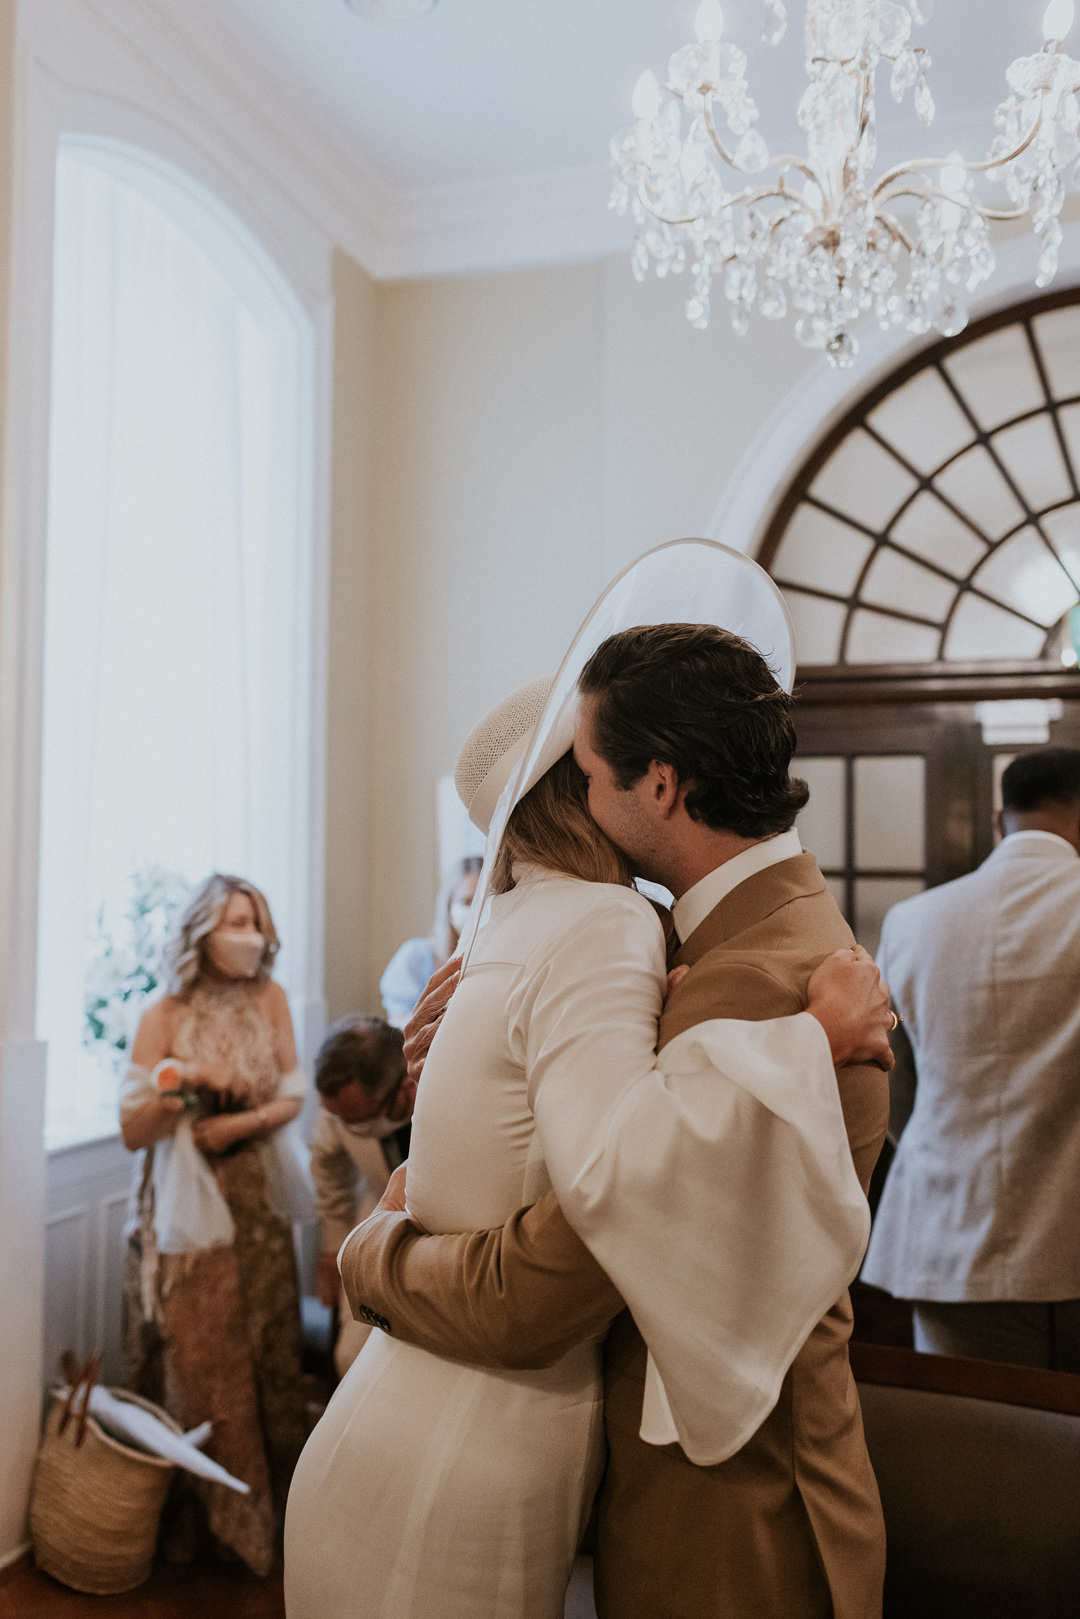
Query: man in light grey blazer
{"points": [[980, 1218]]}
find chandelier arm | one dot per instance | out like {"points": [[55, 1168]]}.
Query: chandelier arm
{"points": [[762, 193], [663, 218], [896, 230], [928, 193], [913, 165], [754, 194], [714, 135], [787, 160]]}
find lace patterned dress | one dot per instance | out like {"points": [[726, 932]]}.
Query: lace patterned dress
{"points": [[215, 1333]]}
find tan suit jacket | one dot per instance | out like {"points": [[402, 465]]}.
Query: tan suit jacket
{"points": [[788, 1528]]}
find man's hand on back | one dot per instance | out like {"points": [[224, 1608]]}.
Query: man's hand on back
{"points": [[393, 1199], [850, 1000]]}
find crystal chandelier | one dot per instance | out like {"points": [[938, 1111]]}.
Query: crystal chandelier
{"points": [[821, 233]]}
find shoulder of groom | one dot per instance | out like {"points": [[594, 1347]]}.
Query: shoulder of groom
{"points": [[724, 985]]}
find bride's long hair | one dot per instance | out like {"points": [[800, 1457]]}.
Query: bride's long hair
{"points": [[552, 827]]}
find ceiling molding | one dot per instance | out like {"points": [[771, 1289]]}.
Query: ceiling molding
{"points": [[511, 222], [227, 72]]}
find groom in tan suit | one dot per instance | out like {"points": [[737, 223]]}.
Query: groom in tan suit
{"points": [[692, 781]]}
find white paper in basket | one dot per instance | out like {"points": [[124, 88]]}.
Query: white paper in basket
{"points": [[128, 1422]]}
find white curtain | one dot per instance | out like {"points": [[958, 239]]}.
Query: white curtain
{"points": [[174, 595]]}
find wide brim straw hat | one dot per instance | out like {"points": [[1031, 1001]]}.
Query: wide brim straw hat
{"points": [[683, 582]]}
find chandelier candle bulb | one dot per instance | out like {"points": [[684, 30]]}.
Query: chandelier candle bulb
{"points": [[646, 103], [709, 22], [1058, 20], [823, 233]]}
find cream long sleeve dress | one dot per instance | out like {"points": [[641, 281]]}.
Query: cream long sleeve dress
{"points": [[435, 1490]]}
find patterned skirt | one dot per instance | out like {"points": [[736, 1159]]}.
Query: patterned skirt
{"points": [[216, 1334]]}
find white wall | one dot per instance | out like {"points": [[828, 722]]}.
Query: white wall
{"points": [[533, 432]]}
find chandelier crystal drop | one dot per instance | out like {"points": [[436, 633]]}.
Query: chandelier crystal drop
{"points": [[821, 234]]}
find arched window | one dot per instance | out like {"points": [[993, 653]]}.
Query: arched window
{"points": [[178, 592], [940, 520], [929, 551]]}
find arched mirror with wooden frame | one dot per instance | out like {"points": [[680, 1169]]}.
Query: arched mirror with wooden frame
{"points": [[929, 552]]}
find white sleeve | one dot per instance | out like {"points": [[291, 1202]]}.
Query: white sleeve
{"points": [[294, 1083], [136, 1089], [714, 1184]]}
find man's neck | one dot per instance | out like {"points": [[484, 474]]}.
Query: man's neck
{"points": [[1063, 823], [701, 855]]}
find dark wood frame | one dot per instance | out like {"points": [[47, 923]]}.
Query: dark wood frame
{"points": [[972, 1379]]}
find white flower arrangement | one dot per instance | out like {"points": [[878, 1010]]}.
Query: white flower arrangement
{"points": [[122, 972]]}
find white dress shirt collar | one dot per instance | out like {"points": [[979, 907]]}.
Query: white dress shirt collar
{"points": [[694, 906], [1016, 840]]}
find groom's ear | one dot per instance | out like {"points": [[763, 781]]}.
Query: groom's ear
{"points": [[666, 788]]}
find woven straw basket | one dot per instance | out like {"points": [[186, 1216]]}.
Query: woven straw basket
{"points": [[95, 1508]]}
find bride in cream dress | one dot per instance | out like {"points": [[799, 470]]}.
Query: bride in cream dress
{"points": [[432, 1489]]}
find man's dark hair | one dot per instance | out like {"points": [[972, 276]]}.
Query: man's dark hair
{"points": [[1051, 776], [360, 1049], [701, 700]]}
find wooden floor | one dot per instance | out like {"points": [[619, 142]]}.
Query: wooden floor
{"points": [[200, 1591], [203, 1590]]}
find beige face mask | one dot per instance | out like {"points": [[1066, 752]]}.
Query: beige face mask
{"points": [[234, 953]]}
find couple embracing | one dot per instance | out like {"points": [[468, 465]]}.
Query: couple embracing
{"points": [[631, 1221]]}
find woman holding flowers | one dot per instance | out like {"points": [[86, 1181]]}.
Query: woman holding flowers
{"points": [[212, 1299]]}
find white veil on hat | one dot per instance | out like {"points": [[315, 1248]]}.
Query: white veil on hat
{"points": [[682, 582]]}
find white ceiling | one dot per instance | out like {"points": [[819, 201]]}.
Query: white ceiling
{"points": [[491, 108]]}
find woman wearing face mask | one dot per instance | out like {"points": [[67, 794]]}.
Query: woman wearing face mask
{"points": [[409, 969], [212, 1327]]}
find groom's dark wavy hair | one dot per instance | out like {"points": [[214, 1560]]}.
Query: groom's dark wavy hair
{"points": [[701, 700]]}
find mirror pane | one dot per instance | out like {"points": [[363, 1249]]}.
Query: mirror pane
{"points": [[1070, 427], [923, 421], [1062, 528], [877, 638], [980, 630], [889, 813], [817, 550], [821, 823], [976, 487], [1032, 457], [1058, 337], [818, 625], [865, 480], [874, 896], [893, 581], [1023, 573], [929, 528], [997, 376]]}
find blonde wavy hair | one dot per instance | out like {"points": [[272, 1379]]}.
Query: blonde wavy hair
{"points": [[552, 827], [183, 956]]}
